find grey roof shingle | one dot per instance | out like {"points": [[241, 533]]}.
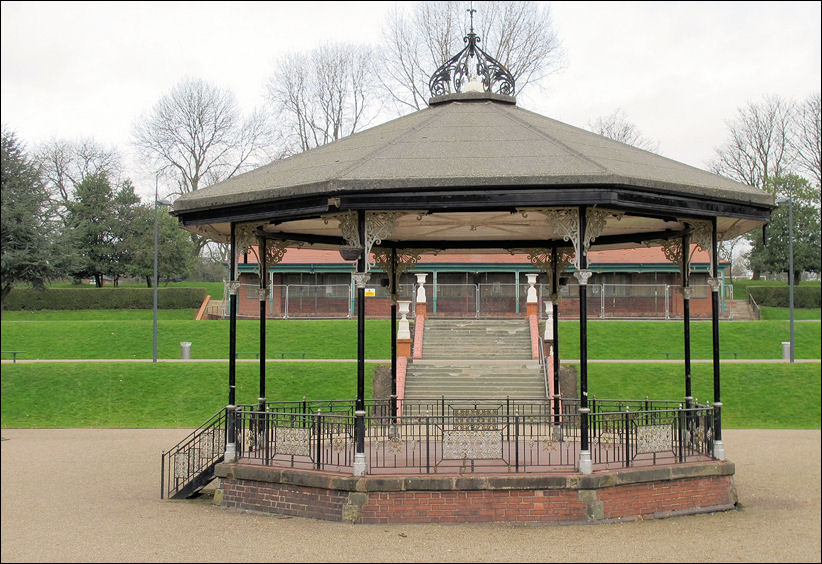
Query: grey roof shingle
{"points": [[468, 144]]}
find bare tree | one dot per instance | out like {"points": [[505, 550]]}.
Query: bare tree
{"points": [[759, 147], [66, 164], [807, 143], [520, 35], [324, 95], [618, 127], [195, 136]]}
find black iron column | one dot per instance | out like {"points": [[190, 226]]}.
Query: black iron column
{"points": [[232, 340], [719, 449], [394, 295], [261, 251], [359, 415], [686, 313], [555, 329], [583, 343]]}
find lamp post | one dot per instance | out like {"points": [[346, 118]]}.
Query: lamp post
{"points": [[157, 202], [789, 201]]}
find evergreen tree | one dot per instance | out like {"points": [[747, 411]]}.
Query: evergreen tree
{"points": [[26, 220]]}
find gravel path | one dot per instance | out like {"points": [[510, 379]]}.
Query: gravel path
{"points": [[83, 495]]}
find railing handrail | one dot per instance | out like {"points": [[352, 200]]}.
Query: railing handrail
{"points": [[754, 306], [544, 366], [188, 443], [499, 440], [312, 406]]}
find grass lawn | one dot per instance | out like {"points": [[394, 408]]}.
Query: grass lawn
{"points": [[157, 395], [99, 315], [610, 340], [133, 338], [741, 285], [785, 313], [184, 395], [755, 396], [130, 336]]}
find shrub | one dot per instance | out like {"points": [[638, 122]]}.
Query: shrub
{"points": [[104, 298], [779, 296]]}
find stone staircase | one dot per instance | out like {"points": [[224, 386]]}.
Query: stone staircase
{"points": [[742, 311], [474, 359], [504, 339]]}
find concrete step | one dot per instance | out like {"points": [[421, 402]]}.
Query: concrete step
{"points": [[482, 339], [742, 311]]}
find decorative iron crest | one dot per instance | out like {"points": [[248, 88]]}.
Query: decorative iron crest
{"points": [[469, 64]]}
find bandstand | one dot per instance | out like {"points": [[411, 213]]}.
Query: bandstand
{"points": [[472, 172]]}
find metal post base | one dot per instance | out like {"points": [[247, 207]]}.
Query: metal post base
{"points": [[719, 450], [557, 434], [393, 431], [231, 452], [585, 464], [360, 466]]}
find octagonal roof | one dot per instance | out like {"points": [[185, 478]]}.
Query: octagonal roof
{"points": [[474, 153]]}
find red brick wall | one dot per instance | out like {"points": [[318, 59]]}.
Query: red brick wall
{"points": [[283, 499], [560, 505]]}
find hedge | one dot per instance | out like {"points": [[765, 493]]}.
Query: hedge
{"points": [[779, 296], [103, 298]]}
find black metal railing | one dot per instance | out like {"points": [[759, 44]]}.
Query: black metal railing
{"points": [[189, 465], [481, 435]]}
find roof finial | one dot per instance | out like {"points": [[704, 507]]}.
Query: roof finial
{"points": [[471, 66]]}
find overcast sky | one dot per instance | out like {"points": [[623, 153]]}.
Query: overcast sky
{"points": [[679, 70]]}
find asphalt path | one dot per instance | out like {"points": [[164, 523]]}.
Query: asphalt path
{"points": [[93, 495]]}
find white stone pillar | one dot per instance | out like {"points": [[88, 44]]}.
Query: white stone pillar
{"points": [[422, 307], [421, 297], [532, 291], [404, 329], [548, 336]]}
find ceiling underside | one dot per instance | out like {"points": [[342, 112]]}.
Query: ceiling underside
{"points": [[492, 231]]}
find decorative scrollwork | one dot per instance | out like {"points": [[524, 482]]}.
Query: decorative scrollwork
{"points": [[542, 259], [378, 226], [210, 233], [702, 235], [275, 250], [406, 259], [654, 438], [470, 64], [246, 238], [565, 224]]}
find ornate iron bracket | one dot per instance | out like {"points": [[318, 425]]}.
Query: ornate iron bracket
{"points": [[378, 226], [406, 260], [541, 259], [565, 224]]}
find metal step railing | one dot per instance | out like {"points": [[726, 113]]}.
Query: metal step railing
{"points": [[189, 465]]}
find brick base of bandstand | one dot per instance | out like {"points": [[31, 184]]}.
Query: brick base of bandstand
{"points": [[573, 498]]}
